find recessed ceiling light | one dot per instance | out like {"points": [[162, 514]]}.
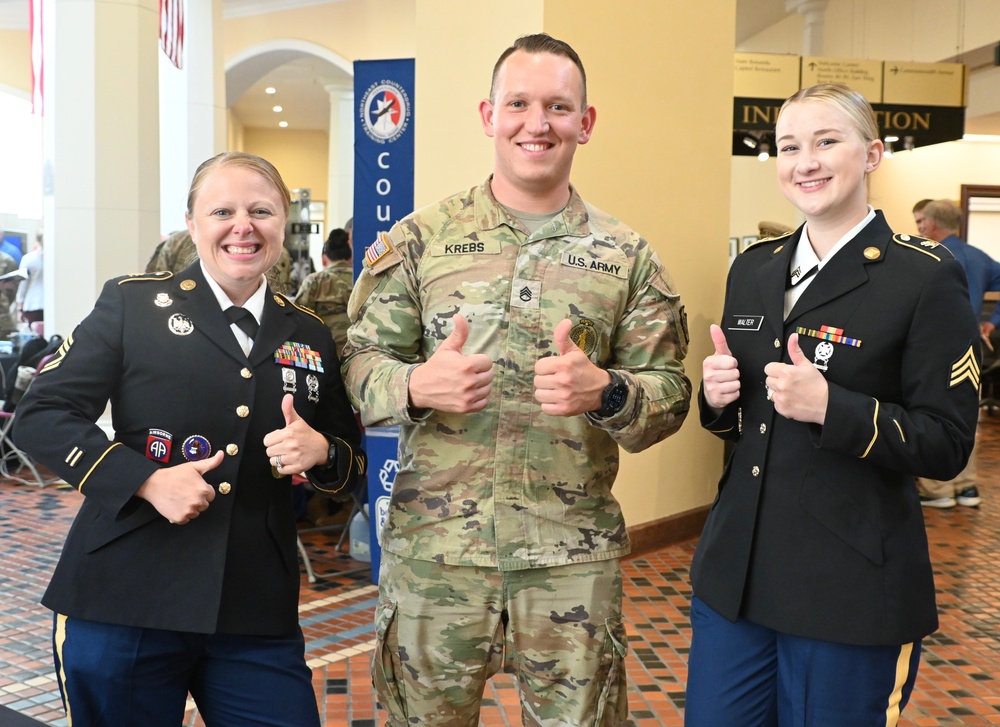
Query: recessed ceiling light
{"points": [[277, 109], [282, 124], [270, 89]]}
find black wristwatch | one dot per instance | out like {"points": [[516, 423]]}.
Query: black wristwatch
{"points": [[613, 397], [331, 455]]}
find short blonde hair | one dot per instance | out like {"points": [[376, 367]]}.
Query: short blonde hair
{"points": [[239, 159]]}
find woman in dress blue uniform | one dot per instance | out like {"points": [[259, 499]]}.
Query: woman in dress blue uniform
{"points": [[180, 573], [846, 364]]}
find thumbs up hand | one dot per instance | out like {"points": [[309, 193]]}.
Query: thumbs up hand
{"points": [[180, 493], [296, 447], [569, 383], [720, 373], [450, 380], [798, 390]]}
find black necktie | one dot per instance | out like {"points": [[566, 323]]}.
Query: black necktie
{"points": [[244, 319], [797, 277]]}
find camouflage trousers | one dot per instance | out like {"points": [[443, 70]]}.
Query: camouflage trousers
{"points": [[442, 631]]}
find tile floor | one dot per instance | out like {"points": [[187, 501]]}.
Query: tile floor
{"points": [[959, 681]]}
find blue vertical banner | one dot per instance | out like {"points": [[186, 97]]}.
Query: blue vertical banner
{"points": [[383, 193]]}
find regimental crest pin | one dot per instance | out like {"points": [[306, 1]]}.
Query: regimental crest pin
{"points": [[163, 300], [180, 325]]}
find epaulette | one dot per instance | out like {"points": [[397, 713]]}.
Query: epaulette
{"points": [[767, 239], [381, 255], [162, 275], [922, 244], [283, 300]]}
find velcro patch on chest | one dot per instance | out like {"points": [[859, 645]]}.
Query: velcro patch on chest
{"points": [[525, 293], [465, 246], [593, 265]]}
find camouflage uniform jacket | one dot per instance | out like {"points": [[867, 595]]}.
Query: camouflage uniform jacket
{"points": [[326, 293], [509, 486]]}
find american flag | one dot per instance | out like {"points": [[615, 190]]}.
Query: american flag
{"points": [[37, 57], [171, 30]]}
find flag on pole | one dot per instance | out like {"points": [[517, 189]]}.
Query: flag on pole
{"points": [[37, 57], [171, 30]]}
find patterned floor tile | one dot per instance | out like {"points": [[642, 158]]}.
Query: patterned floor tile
{"points": [[958, 684]]}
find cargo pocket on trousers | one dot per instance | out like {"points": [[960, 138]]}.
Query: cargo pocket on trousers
{"points": [[612, 702], [386, 666]]}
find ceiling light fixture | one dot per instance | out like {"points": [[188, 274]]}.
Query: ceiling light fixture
{"points": [[270, 89], [750, 140], [277, 109], [888, 150], [765, 152], [282, 124]]}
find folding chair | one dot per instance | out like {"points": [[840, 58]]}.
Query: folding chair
{"points": [[14, 455], [358, 498]]}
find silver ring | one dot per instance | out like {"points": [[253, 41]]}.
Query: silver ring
{"points": [[768, 392], [277, 462]]}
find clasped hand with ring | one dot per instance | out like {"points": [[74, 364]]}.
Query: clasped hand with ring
{"points": [[277, 462]]}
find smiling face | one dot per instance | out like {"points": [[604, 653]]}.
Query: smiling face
{"points": [[823, 161], [237, 222], [536, 118]]}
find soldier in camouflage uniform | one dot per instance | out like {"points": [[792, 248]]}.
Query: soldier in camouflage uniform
{"points": [[518, 336], [327, 292], [173, 254]]}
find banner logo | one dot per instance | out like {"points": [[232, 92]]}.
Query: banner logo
{"points": [[385, 111]]}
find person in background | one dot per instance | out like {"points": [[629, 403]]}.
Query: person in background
{"points": [[180, 573], [518, 336], [173, 254], [327, 292], [940, 220], [31, 290], [846, 363], [9, 285]]}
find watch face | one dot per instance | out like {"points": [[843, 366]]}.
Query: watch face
{"points": [[617, 398]]}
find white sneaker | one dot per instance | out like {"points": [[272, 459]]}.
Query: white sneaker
{"points": [[941, 503]]}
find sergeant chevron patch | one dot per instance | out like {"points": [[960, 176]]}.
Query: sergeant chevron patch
{"points": [[965, 369]]}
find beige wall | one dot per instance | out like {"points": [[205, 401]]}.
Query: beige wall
{"points": [[300, 156], [15, 60]]}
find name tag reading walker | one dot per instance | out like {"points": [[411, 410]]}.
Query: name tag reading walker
{"points": [[745, 323]]}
